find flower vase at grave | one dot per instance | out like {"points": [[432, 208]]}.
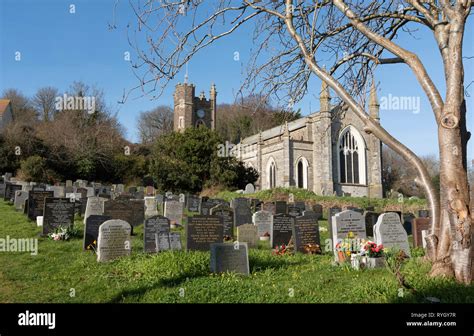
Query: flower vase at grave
{"points": [[342, 257], [375, 262]]}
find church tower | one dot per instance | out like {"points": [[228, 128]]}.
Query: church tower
{"points": [[192, 111]]}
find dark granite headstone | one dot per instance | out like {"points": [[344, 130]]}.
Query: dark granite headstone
{"points": [[120, 209], [281, 207], [91, 231], [154, 225], [10, 189], [407, 218], [242, 211], [306, 232], [370, 221], [300, 205], [282, 229], [294, 211], [202, 231], [193, 202], [58, 213], [318, 209], [230, 258], [36, 203], [227, 215]]}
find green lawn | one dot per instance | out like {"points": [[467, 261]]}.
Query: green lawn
{"points": [[183, 277]]}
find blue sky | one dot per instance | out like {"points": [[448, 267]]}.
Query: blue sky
{"points": [[58, 48]]}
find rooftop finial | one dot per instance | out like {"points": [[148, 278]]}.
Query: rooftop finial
{"points": [[186, 74]]}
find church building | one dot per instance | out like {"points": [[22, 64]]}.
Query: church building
{"points": [[326, 152]]}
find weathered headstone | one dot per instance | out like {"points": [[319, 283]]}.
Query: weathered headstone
{"points": [[263, 220], [94, 206], [36, 202], [2, 189], [153, 226], [202, 231], [20, 198], [230, 258], [282, 229], [306, 232], [91, 231], [69, 187], [151, 207], [420, 224], [193, 203], [58, 213], [10, 190], [114, 240], [174, 211], [294, 211], [249, 189], [281, 207], [227, 215], [247, 233], [59, 191], [390, 233], [242, 211]]}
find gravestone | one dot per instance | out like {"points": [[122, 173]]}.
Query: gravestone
{"points": [[205, 207], [91, 231], [36, 203], [230, 258], [174, 211], [255, 204], [94, 206], [167, 241], [420, 224], [356, 209], [424, 213], [370, 221], [390, 233], [242, 211], [10, 190], [155, 225], [345, 223], [2, 189], [114, 240], [249, 189], [247, 233], [120, 188], [69, 187], [151, 207], [306, 232], [202, 231], [58, 213], [294, 211], [270, 207], [150, 191], [399, 213], [59, 191], [82, 191], [227, 215], [281, 207], [318, 209], [20, 198], [331, 212], [300, 205], [263, 220], [407, 220], [193, 203], [90, 192], [120, 209], [282, 230]]}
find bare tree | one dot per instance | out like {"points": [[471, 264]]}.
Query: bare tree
{"points": [[296, 39], [44, 102], [152, 124], [23, 111]]}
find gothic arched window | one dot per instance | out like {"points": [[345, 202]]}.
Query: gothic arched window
{"points": [[351, 148], [271, 174], [302, 173]]}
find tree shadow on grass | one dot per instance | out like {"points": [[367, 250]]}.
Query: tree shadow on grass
{"points": [[437, 293], [260, 264]]}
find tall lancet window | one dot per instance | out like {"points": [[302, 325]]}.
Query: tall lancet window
{"points": [[352, 163], [271, 173]]}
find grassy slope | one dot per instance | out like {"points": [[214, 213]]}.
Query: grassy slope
{"points": [[60, 266]]}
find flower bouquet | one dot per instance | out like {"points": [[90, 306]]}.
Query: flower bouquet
{"points": [[374, 255]]}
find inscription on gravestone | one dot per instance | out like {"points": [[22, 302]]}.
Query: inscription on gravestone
{"points": [[247, 233], [174, 211], [228, 218], [58, 213], [202, 231], [167, 241], [242, 211], [263, 220], [390, 233], [282, 229], [306, 233], [154, 225], [114, 240], [230, 258]]}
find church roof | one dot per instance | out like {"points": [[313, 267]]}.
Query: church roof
{"points": [[278, 130], [3, 105]]}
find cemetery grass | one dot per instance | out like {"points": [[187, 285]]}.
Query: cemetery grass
{"points": [[63, 273]]}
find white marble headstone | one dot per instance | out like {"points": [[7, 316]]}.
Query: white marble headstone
{"points": [[389, 232], [114, 240]]}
